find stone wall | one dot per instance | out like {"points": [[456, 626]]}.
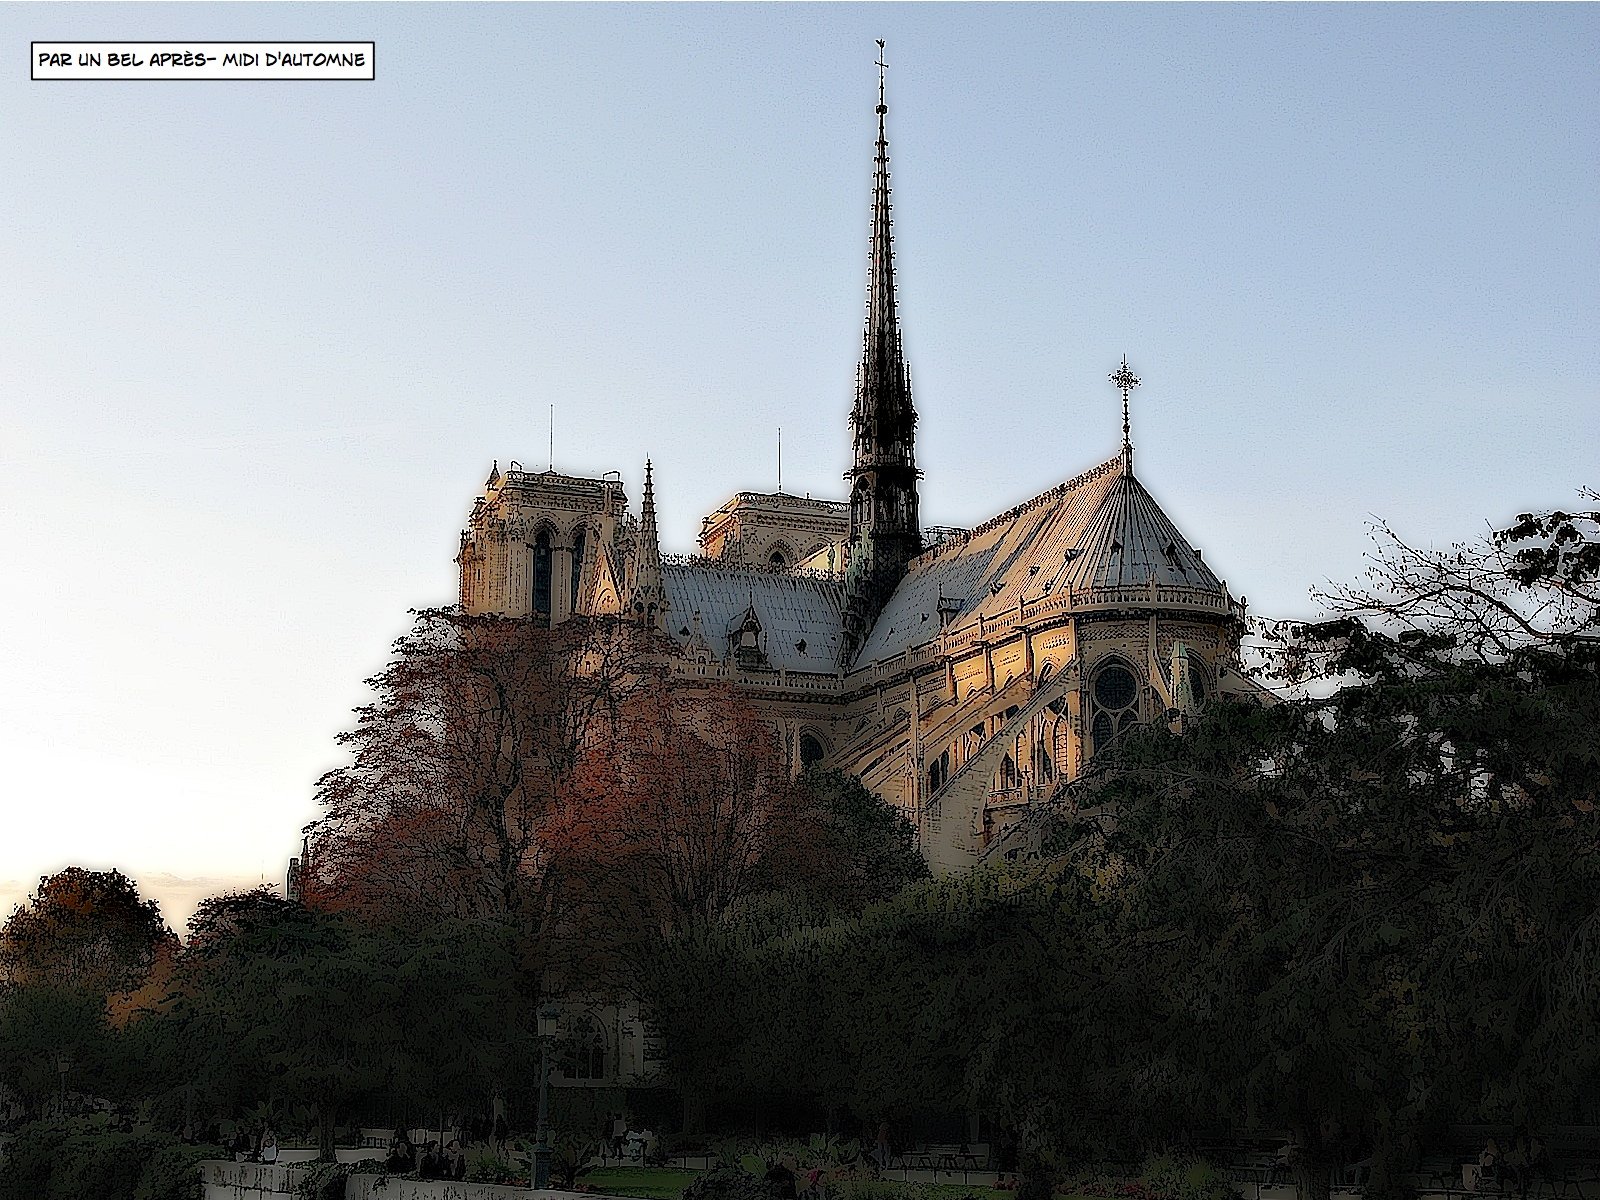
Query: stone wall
{"points": [[363, 1187], [247, 1181], [254, 1181]]}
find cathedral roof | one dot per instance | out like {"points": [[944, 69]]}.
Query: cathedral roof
{"points": [[799, 613], [1102, 530]]}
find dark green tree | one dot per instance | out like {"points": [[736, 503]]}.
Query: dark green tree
{"points": [[877, 842], [54, 1038], [1362, 901], [283, 1003]]}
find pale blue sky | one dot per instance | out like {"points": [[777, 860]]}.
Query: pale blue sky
{"points": [[260, 341]]}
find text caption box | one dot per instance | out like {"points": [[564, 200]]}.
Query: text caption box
{"points": [[204, 60]]}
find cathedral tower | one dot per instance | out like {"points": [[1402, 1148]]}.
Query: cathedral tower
{"points": [[884, 530]]}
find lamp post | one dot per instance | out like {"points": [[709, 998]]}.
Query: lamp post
{"points": [[541, 1150]]}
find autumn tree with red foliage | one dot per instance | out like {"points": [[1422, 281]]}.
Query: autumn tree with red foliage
{"points": [[463, 765], [558, 782], [692, 812]]}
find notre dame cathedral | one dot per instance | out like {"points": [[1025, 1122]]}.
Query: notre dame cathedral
{"points": [[961, 674]]}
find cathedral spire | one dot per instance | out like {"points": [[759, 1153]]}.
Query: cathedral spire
{"points": [[882, 323], [885, 533], [649, 540], [648, 602]]}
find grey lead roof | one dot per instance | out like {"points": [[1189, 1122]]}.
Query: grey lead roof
{"points": [[1101, 529], [794, 610]]}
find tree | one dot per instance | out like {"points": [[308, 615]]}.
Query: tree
{"points": [[1361, 902], [281, 1002], [1490, 653], [1531, 587], [462, 764], [876, 841], [691, 812], [219, 919], [51, 1036], [1272, 879], [85, 929]]}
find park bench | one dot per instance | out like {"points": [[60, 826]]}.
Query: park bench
{"points": [[943, 1158]]}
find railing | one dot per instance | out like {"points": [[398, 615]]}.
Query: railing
{"points": [[554, 480], [1020, 796], [785, 500], [897, 664], [1143, 596], [780, 681], [702, 562]]}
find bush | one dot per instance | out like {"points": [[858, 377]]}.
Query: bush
{"points": [[325, 1180], [172, 1172], [726, 1183], [1185, 1179], [104, 1165], [71, 1160], [31, 1158], [496, 1170]]}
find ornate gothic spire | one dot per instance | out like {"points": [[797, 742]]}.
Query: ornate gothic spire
{"points": [[882, 325], [885, 533], [649, 541], [648, 599]]}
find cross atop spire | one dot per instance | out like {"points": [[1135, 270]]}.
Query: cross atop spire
{"points": [[882, 67], [1125, 379]]}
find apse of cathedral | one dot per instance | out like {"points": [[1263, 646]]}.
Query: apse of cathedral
{"points": [[961, 674]]}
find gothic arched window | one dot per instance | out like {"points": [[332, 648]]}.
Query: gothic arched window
{"points": [[588, 1051], [861, 505], [541, 577], [1116, 703], [577, 565], [777, 560]]}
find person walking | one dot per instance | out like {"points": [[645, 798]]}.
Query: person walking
{"points": [[881, 1152]]}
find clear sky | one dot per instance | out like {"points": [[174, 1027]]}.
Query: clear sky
{"points": [[259, 342]]}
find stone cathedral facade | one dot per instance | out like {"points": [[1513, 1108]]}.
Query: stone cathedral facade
{"points": [[960, 674]]}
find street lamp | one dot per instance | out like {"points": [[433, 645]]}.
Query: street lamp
{"points": [[541, 1150]]}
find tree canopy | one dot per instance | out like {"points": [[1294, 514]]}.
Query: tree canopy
{"points": [[84, 928]]}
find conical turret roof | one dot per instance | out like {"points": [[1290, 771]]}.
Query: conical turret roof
{"points": [[1100, 538]]}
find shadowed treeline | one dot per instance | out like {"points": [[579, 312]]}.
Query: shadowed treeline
{"points": [[1351, 917]]}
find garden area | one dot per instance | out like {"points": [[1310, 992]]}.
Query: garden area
{"points": [[1341, 926]]}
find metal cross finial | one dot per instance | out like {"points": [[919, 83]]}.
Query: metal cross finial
{"points": [[1126, 380], [882, 67]]}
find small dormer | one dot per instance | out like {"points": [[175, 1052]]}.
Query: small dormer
{"points": [[697, 650], [949, 609], [748, 641]]}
